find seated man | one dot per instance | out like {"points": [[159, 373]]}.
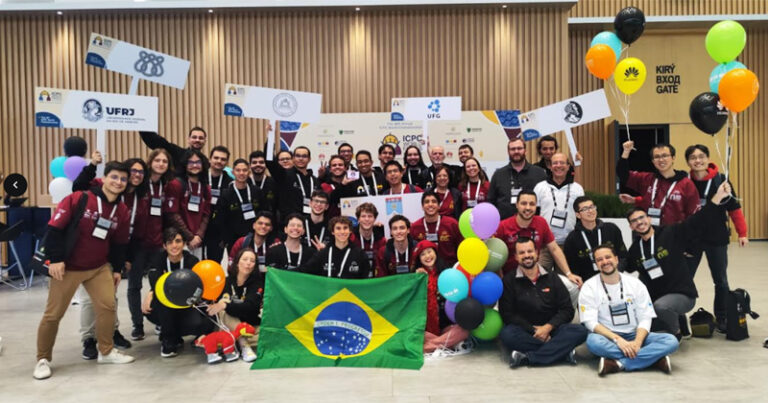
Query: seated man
{"points": [[537, 311], [260, 240], [393, 257], [290, 254], [442, 230], [617, 310]]}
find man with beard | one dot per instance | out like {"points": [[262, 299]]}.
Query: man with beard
{"points": [[294, 185], [617, 310], [507, 182], [237, 207], [537, 311], [195, 140], [259, 178]]}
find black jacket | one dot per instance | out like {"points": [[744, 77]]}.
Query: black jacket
{"points": [[579, 254], [527, 305], [246, 300], [356, 265], [500, 192], [277, 258], [158, 265], [288, 187], [154, 141], [269, 190], [428, 176], [228, 215], [416, 176]]}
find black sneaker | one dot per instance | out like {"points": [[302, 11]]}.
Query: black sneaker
{"points": [[137, 333], [721, 326], [168, 350], [685, 326], [517, 359], [89, 349], [119, 341], [571, 357]]}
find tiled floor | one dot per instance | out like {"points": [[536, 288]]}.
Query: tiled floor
{"points": [[703, 370]]}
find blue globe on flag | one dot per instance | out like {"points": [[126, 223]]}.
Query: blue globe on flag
{"points": [[342, 328]]}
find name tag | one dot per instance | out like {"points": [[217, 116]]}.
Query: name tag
{"points": [[305, 208], [156, 206], [102, 228], [215, 193], [619, 313], [558, 218], [471, 203], [652, 268], [515, 192], [248, 213], [702, 202], [353, 175], [401, 269], [369, 254], [432, 237], [194, 204], [655, 215]]}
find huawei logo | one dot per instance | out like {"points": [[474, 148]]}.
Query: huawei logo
{"points": [[631, 72]]}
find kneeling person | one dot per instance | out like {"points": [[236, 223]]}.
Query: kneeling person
{"points": [[340, 258]]}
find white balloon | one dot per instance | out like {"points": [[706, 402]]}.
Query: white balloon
{"points": [[59, 188]]}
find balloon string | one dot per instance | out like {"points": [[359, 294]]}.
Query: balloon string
{"points": [[216, 322]]}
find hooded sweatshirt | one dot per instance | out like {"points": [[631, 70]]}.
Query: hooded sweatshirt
{"points": [[707, 187]]}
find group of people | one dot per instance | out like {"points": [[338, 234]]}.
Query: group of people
{"points": [[147, 217]]}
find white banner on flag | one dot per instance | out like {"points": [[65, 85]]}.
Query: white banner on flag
{"points": [[408, 204], [430, 108], [147, 64], [71, 109], [564, 115], [272, 104]]}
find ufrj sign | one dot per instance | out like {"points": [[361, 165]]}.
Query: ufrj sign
{"points": [[55, 107]]}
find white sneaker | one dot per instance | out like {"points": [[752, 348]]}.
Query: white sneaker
{"points": [[42, 369], [247, 353], [115, 357]]}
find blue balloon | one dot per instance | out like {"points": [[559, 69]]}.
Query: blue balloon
{"points": [[719, 71], [228, 170], [453, 285], [610, 39], [57, 167], [487, 288]]}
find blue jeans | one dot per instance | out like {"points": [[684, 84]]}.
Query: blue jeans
{"points": [[655, 346], [717, 256], [564, 339]]}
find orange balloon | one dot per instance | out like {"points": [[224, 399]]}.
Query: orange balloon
{"points": [[738, 89], [600, 61], [213, 277]]}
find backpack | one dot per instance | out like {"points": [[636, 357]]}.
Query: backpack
{"points": [[702, 323], [39, 262], [737, 308]]}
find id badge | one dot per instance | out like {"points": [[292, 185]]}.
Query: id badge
{"points": [[369, 254], [432, 237], [102, 228], [353, 175], [558, 218], [619, 313], [655, 215], [156, 207], [401, 269], [515, 193], [194, 204], [471, 203], [652, 268], [305, 208], [248, 213], [702, 202], [215, 193]]}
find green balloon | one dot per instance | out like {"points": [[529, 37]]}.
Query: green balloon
{"points": [[725, 41], [464, 225], [497, 254], [491, 326]]}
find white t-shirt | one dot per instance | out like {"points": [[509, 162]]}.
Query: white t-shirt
{"points": [[594, 304], [546, 203]]}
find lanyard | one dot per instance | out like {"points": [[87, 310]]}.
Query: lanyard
{"points": [[447, 192], [263, 246], [362, 240], [288, 255], [599, 239], [133, 209], [301, 185], [152, 190], [309, 233], [237, 192], [621, 287], [210, 180], [477, 192], [263, 178], [234, 293], [706, 191], [410, 180], [192, 191], [114, 208], [567, 197], [343, 261], [642, 248], [375, 185], [397, 254], [653, 195], [437, 227], [168, 263]]}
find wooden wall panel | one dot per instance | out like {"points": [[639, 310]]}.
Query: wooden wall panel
{"points": [[493, 58], [609, 8]]}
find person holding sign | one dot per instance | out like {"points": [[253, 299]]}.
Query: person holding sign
{"points": [[292, 253], [259, 177], [668, 196], [195, 141], [294, 185], [218, 180], [236, 210], [415, 169], [658, 256], [474, 184], [368, 234], [441, 230], [102, 240], [394, 256], [547, 147], [260, 240], [195, 209], [340, 259], [507, 182], [394, 174], [450, 197]]}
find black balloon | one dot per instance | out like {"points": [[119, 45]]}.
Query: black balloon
{"points": [[707, 113], [469, 313], [183, 287], [629, 24], [75, 147]]}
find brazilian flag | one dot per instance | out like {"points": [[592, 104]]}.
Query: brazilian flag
{"points": [[314, 321]]}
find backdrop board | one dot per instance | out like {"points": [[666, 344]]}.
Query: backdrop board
{"points": [[408, 204]]}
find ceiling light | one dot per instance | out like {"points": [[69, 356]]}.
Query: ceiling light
{"points": [[357, 8], [210, 11]]}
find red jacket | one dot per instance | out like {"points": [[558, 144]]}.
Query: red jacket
{"points": [[509, 231], [682, 202], [196, 222], [482, 194], [171, 197], [448, 237]]}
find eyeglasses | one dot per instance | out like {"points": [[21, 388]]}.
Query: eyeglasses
{"points": [[697, 157], [284, 159], [123, 179], [137, 172], [637, 219], [300, 155], [588, 208], [662, 156], [319, 201], [193, 163]]}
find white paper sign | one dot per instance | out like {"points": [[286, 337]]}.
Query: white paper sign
{"points": [[70, 109], [408, 204], [147, 64], [431, 108], [272, 104], [564, 115]]}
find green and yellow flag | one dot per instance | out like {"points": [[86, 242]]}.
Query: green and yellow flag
{"points": [[314, 321]]}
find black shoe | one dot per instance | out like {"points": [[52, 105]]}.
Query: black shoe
{"points": [[119, 341], [89, 349], [571, 357], [137, 333], [517, 359], [168, 350], [721, 326], [685, 327], [180, 343]]}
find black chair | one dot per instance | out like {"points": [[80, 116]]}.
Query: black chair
{"points": [[9, 235]]}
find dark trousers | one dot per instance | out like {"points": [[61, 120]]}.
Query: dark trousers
{"points": [[175, 323], [564, 339], [213, 251], [139, 260], [717, 257]]}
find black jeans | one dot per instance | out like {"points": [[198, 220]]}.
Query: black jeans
{"points": [[717, 257], [139, 263], [175, 323], [564, 339], [213, 251]]}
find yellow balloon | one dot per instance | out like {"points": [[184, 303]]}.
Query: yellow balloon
{"points": [[629, 75], [160, 292], [473, 255]]}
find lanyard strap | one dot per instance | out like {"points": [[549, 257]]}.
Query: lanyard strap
{"points": [[477, 191], [397, 254], [706, 190], [263, 178], [152, 190], [410, 180], [301, 185], [375, 185], [669, 191], [362, 240], [599, 239], [437, 227], [288, 254], [192, 191], [309, 233], [237, 192], [447, 192], [621, 287], [642, 247], [343, 261], [98, 204], [234, 293], [133, 209], [263, 246], [567, 197], [168, 263], [210, 179]]}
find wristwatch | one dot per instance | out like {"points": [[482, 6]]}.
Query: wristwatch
{"points": [[615, 340]]}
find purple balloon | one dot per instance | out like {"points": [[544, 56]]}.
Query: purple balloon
{"points": [[450, 310], [484, 220], [73, 166]]}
